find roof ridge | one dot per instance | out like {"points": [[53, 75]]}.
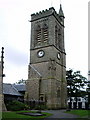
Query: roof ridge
{"points": [[15, 88]]}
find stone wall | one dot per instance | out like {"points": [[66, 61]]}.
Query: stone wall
{"points": [[47, 76]]}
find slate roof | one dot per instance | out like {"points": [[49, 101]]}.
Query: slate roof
{"points": [[10, 90], [20, 87]]}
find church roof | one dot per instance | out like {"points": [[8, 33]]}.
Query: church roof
{"points": [[9, 89], [20, 87]]}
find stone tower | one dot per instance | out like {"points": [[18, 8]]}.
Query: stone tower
{"points": [[47, 68]]}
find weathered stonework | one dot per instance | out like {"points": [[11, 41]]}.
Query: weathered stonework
{"points": [[47, 70], [2, 104]]}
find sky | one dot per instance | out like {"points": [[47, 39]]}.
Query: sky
{"points": [[15, 34]]}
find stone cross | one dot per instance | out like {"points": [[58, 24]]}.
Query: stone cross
{"points": [[2, 105]]}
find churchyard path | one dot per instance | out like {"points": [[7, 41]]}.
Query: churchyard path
{"points": [[60, 115]]}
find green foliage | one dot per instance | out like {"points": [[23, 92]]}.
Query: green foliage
{"points": [[81, 113], [75, 81], [17, 116], [21, 81], [16, 105]]}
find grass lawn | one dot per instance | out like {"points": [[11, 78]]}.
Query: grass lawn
{"points": [[80, 113], [16, 116]]}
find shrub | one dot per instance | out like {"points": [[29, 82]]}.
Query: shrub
{"points": [[16, 106]]}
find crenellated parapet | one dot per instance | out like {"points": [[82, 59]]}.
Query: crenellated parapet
{"points": [[46, 13]]}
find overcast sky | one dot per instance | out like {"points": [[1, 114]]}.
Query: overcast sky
{"points": [[15, 34]]}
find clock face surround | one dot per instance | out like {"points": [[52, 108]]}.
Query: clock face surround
{"points": [[40, 53], [59, 56]]}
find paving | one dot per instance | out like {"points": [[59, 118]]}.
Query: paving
{"points": [[60, 115], [32, 114]]}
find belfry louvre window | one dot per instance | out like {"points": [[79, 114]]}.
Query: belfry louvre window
{"points": [[45, 33], [56, 35], [59, 43], [38, 34]]}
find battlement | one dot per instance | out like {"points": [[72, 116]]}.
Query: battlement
{"points": [[46, 13]]}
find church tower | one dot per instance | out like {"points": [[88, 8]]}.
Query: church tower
{"points": [[47, 67]]}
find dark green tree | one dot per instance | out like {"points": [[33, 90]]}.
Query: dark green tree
{"points": [[75, 83], [70, 83], [21, 81], [88, 89]]}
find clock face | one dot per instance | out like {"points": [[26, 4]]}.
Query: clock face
{"points": [[59, 56], [40, 53]]}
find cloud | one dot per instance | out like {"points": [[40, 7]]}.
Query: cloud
{"points": [[15, 33], [16, 57]]}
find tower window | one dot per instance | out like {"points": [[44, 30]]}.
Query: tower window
{"points": [[58, 93], [38, 34], [41, 34], [56, 35], [45, 33], [59, 43], [41, 98]]}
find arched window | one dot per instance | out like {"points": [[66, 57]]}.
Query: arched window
{"points": [[38, 34], [45, 33], [56, 35], [58, 93], [59, 39]]}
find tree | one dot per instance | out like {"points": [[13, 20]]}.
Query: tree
{"points": [[75, 81], [89, 79], [21, 81], [70, 77], [88, 89]]}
